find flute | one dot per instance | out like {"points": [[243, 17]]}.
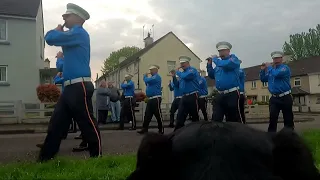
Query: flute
{"points": [[64, 24]]}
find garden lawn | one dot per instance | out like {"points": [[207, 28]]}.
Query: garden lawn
{"points": [[106, 168]]}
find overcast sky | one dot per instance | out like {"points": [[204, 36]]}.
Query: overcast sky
{"points": [[254, 28]]}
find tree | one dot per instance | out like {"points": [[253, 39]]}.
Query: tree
{"points": [[112, 61], [305, 44]]}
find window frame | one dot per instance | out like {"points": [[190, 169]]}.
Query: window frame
{"points": [[295, 80], [265, 84], [175, 64], [6, 69], [253, 83], [6, 30], [265, 98]]}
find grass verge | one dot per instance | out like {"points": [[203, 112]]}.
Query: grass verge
{"points": [[107, 168]]}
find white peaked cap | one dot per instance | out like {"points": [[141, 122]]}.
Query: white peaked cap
{"points": [[276, 54], [128, 75], [75, 9], [154, 67], [223, 45], [184, 59]]}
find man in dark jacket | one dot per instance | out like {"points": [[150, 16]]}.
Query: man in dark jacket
{"points": [[114, 102]]}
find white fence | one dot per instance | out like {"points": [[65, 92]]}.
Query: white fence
{"points": [[16, 112]]}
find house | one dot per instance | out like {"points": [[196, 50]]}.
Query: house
{"points": [[305, 83], [164, 52], [21, 49], [47, 74]]}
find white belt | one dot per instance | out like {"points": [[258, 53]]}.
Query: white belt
{"points": [[203, 96], [179, 97], [282, 94], [128, 97], [153, 97], [241, 92], [229, 90], [190, 93], [76, 80]]}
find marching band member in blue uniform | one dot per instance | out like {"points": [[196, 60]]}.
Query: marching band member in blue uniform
{"points": [[177, 93], [154, 94], [127, 110], [278, 77], [189, 86], [203, 93], [59, 62], [226, 74], [76, 99]]}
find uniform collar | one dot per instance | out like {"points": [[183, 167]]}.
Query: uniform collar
{"points": [[187, 68], [76, 26], [227, 57], [277, 66]]}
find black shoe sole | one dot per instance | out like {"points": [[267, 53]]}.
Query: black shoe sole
{"points": [[79, 149], [142, 132], [39, 145]]}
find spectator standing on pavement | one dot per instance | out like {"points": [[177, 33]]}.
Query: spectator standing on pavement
{"points": [[103, 102], [114, 102]]}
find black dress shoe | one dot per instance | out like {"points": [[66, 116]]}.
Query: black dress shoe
{"points": [[142, 131], [120, 128], [40, 145], [80, 149], [171, 125], [132, 129]]}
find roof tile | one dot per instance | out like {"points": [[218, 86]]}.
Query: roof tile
{"points": [[24, 8]]}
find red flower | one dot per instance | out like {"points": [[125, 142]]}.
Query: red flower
{"points": [[48, 93], [140, 96]]}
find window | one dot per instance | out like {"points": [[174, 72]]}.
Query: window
{"points": [[265, 98], [3, 30], [254, 84], [171, 65], [297, 81], [47, 80], [3, 73], [265, 84], [254, 98]]}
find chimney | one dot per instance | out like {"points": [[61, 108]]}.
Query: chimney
{"points": [[148, 40], [46, 63]]}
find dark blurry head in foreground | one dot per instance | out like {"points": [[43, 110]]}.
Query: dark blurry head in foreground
{"points": [[224, 151]]}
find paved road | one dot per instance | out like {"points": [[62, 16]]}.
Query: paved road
{"points": [[22, 147]]}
